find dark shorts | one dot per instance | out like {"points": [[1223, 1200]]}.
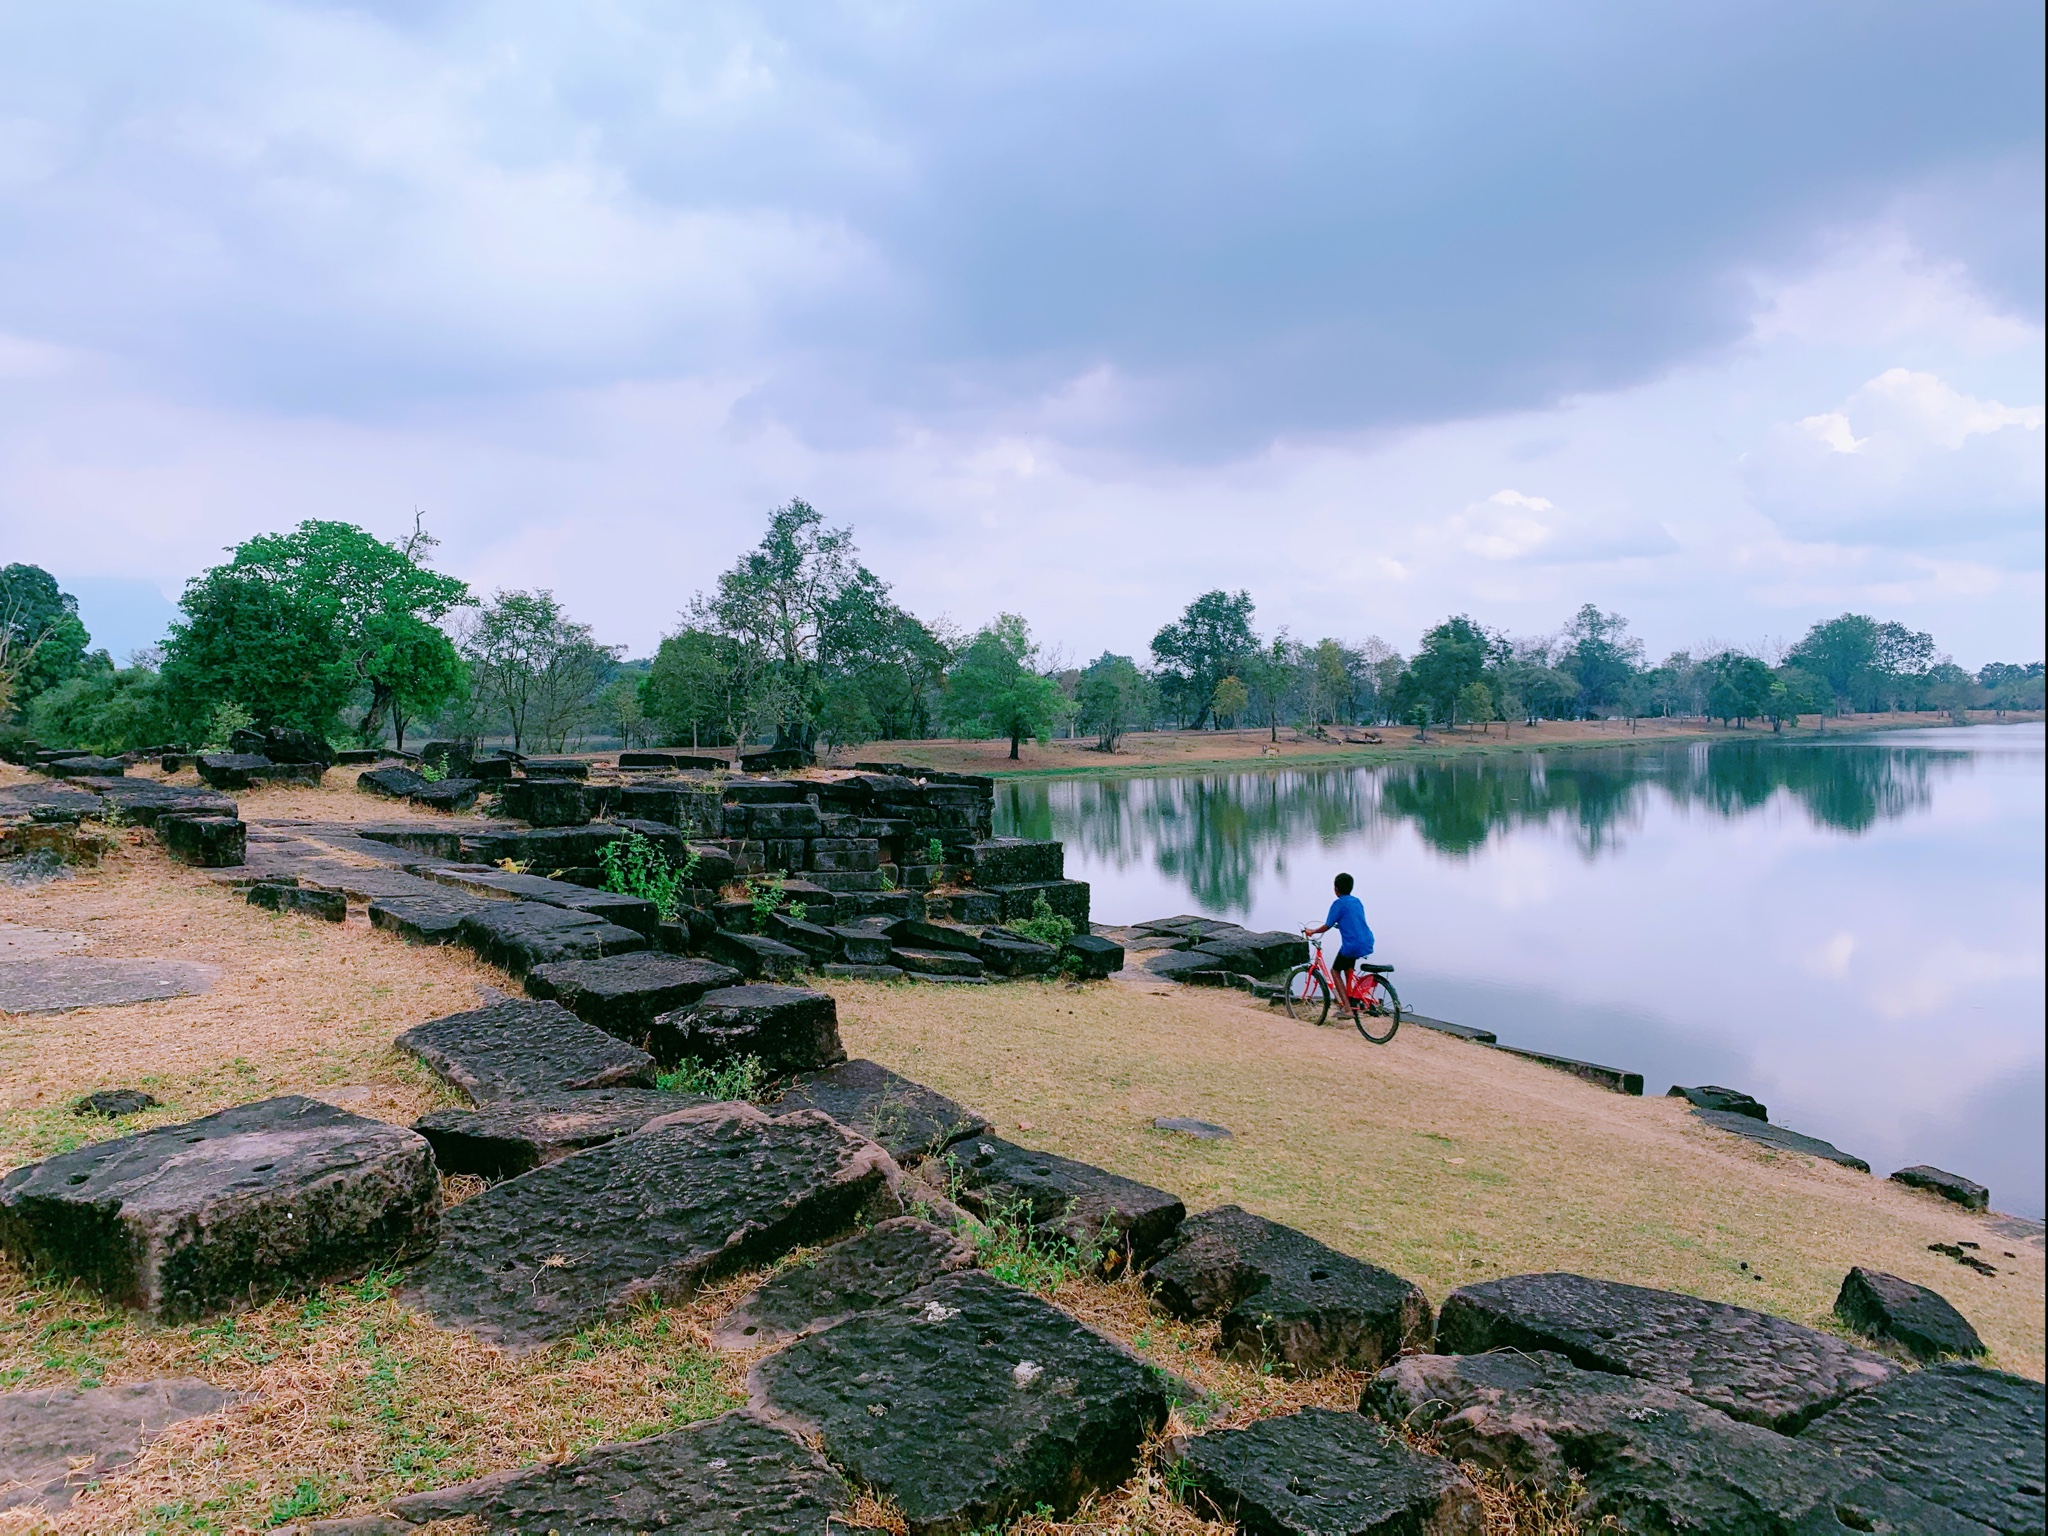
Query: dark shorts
{"points": [[1344, 962]]}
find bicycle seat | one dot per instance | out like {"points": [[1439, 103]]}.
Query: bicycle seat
{"points": [[1374, 966]]}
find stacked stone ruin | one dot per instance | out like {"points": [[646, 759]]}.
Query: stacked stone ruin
{"points": [[890, 1362]]}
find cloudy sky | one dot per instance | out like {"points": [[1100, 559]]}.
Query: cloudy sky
{"points": [[1728, 317]]}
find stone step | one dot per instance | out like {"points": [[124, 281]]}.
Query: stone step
{"points": [[504, 1140], [624, 994], [518, 1049], [788, 1029]]}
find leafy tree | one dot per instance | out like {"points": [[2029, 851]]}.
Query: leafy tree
{"points": [[1601, 656], [295, 624], [2012, 687], [1204, 645], [619, 705], [1739, 687], [1475, 702], [1453, 656], [994, 687], [1950, 689], [539, 670], [712, 689], [1230, 700], [1111, 696], [42, 641], [1794, 693], [108, 710], [1865, 664]]}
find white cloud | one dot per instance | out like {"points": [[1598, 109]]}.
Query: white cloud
{"points": [[1505, 526]]}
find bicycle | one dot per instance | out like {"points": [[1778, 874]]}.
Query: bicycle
{"points": [[1370, 995]]}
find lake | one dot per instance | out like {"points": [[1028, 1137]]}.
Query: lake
{"points": [[1848, 927]]}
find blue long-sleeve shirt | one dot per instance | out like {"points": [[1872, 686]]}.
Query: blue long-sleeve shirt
{"points": [[1347, 916]]}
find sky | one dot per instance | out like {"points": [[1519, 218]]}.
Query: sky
{"points": [[1728, 318]]}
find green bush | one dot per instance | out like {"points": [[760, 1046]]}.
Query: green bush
{"points": [[765, 892], [635, 866], [107, 711], [743, 1078], [1045, 925]]}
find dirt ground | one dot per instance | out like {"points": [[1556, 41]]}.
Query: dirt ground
{"points": [[1435, 1158]]}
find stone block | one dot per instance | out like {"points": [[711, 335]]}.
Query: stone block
{"points": [[1778, 1136], [283, 744], [503, 1140], [1950, 1186], [844, 855], [916, 933], [1968, 1440], [1284, 1297], [781, 822], [1067, 898], [819, 942], [516, 936], [1173, 964], [840, 971], [517, 1049], [657, 1215], [968, 1402], [753, 955], [722, 1477], [901, 905], [838, 881], [450, 795], [55, 1441], [187, 1220], [1255, 954], [90, 767], [1920, 1321], [424, 919], [1011, 954], [546, 802], [1092, 957], [276, 896], [934, 962], [1015, 861], [1320, 1472], [1728, 1101], [863, 946], [908, 1120], [791, 1029], [857, 1275], [634, 912], [1095, 1210], [1637, 1455], [624, 994], [230, 770], [783, 855], [393, 783], [211, 842], [556, 768], [767, 792], [1755, 1367], [116, 1102]]}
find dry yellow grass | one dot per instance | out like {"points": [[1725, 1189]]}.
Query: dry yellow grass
{"points": [[1440, 1160]]}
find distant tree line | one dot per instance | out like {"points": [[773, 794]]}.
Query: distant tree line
{"points": [[798, 643]]}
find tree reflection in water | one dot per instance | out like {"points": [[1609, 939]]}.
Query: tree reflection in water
{"points": [[1212, 832]]}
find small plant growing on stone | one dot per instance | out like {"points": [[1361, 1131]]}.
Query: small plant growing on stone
{"points": [[1045, 925], [935, 852], [635, 866], [797, 909], [765, 892], [742, 1078], [433, 773]]}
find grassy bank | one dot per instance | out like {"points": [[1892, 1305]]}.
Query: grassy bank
{"points": [[1440, 1160]]}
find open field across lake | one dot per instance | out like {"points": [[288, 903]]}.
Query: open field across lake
{"points": [[1442, 1161]]}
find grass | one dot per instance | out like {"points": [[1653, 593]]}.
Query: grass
{"points": [[742, 1078]]}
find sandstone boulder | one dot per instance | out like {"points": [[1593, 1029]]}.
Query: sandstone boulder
{"points": [[1920, 1321]]}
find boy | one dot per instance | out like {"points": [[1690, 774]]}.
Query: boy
{"points": [[1354, 938]]}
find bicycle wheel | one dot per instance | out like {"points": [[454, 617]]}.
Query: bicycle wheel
{"points": [[1382, 1014], [1308, 995]]}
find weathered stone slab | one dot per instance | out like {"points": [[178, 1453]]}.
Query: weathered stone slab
{"points": [[624, 994], [1320, 1472], [283, 744], [90, 767], [189, 1219], [1728, 1101], [503, 1140], [1758, 1368], [20, 943], [55, 1441], [1176, 963], [1967, 1439], [791, 1029], [1284, 1297], [145, 802], [393, 783], [447, 795], [1918, 1320], [1971, 1196], [634, 912], [1014, 860], [1651, 1459], [1256, 954], [211, 842], [1613, 1079], [693, 1197], [934, 962], [517, 1050], [116, 1102], [1093, 1208], [424, 919], [231, 770], [64, 982], [863, 946], [968, 1402], [837, 972], [858, 1275], [722, 1477], [1779, 1137], [519, 935], [1092, 957], [276, 896], [1010, 954], [910, 1121], [1199, 1130]]}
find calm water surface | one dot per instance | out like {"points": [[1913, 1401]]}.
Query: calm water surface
{"points": [[1850, 928]]}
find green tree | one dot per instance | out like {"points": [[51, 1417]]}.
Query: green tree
{"points": [[1866, 665], [1794, 693], [1475, 702], [296, 624], [536, 667], [2010, 686], [1205, 644], [996, 689], [1601, 657], [1738, 688], [42, 641], [1230, 700], [1111, 697], [1453, 656], [618, 705], [107, 710], [711, 689]]}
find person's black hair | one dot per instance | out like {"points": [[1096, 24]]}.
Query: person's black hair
{"points": [[1343, 885]]}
